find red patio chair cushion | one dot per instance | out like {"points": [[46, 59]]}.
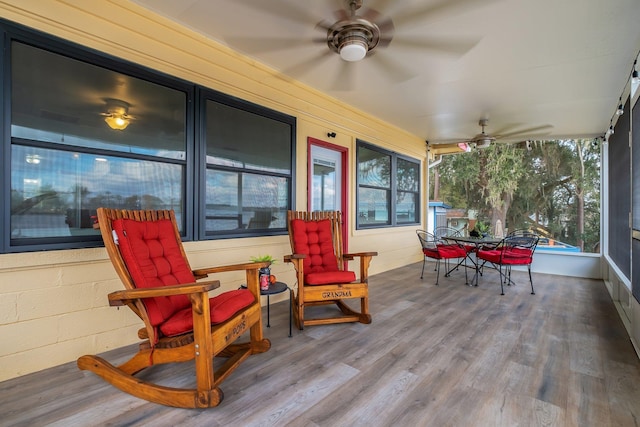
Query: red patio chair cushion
{"points": [[314, 239], [153, 258], [222, 307], [508, 256], [445, 252]]}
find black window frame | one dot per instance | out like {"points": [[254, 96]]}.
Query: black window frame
{"points": [[205, 95], [193, 182], [393, 188]]}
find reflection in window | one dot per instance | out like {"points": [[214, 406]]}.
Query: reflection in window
{"points": [[66, 160], [60, 100], [249, 167], [55, 193], [237, 201], [384, 177], [407, 196]]}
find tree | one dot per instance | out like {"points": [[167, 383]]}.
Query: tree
{"points": [[553, 188]]}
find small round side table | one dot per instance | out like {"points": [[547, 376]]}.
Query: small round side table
{"points": [[276, 288]]}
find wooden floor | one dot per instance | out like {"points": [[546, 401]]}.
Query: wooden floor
{"points": [[447, 355]]}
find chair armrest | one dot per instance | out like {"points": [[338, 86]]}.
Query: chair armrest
{"points": [[233, 267], [294, 257], [359, 254], [122, 297]]}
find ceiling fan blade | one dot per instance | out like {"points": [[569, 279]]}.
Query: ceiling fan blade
{"points": [[345, 77], [452, 47], [341, 15], [533, 130], [281, 9], [304, 66], [437, 9], [269, 44], [392, 68], [506, 128]]}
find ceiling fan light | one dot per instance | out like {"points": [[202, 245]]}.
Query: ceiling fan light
{"points": [[117, 122], [117, 116], [353, 50]]}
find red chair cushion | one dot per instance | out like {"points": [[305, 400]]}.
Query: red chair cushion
{"points": [[153, 257], [507, 257], [222, 307], [492, 255], [445, 252], [329, 277], [314, 239]]}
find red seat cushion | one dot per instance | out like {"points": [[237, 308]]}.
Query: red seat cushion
{"points": [[153, 257], [222, 307], [491, 255], [329, 277], [508, 256], [314, 239], [445, 252]]}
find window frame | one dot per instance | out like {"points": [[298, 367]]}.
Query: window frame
{"points": [[193, 180], [204, 95], [392, 190]]}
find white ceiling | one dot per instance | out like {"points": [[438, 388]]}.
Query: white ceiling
{"points": [[530, 63]]}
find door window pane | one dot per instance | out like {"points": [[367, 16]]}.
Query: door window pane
{"points": [[324, 185]]}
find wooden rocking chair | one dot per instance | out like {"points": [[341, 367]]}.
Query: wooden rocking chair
{"points": [[181, 322], [316, 242]]}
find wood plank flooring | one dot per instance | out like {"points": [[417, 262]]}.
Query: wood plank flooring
{"points": [[447, 355]]}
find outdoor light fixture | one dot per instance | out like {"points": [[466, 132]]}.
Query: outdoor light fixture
{"points": [[117, 116], [620, 110]]}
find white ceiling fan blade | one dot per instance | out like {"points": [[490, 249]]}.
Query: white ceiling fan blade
{"points": [[269, 44], [394, 69], [532, 130], [306, 65], [438, 9], [282, 9], [449, 46], [345, 76]]}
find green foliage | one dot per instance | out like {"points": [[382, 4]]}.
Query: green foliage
{"points": [[263, 258], [554, 188]]}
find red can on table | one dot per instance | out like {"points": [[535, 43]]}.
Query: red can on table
{"points": [[264, 282]]}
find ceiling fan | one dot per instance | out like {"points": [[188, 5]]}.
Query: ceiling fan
{"points": [[483, 139], [358, 32], [520, 137]]}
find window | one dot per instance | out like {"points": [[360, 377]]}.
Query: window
{"points": [[388, 188], [89, 131], [249, 152], [66, 160]]}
